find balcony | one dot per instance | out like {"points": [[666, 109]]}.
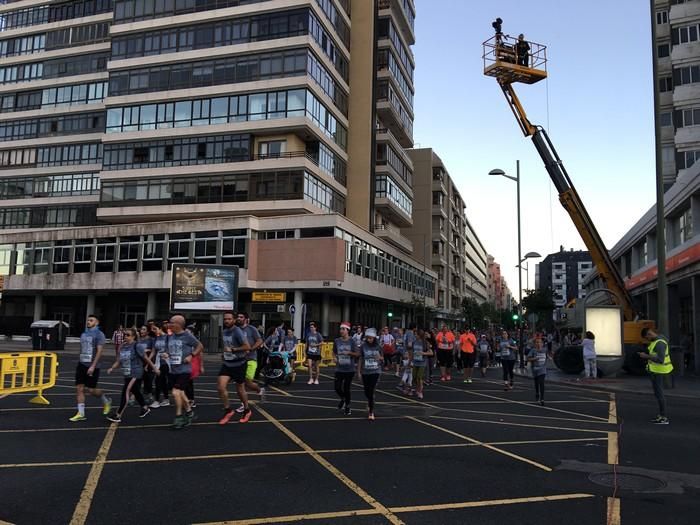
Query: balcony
{"points": [[391, 234], [681, 12], [686, 93], [687, 52], [403, 16], [393, 212], [439, 210]]}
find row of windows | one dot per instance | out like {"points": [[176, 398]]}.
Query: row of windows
{"points": [[685, 159], [210, 111], [228, 32], [328, 161], [77, 36], [387, 188], [685, 34], [386, 92], [386, 29], [56, 68], [328, 7], [686, 75], [238, 187], [48, 217], [386, 60], [72, 154], [686, 117], [232, 70], [25, 45], [177, 152], [59, 96], [50, 186], [52, 126], [135, 10], [387, 155], [154, 252], [53, 13]]}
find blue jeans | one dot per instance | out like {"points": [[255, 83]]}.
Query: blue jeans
{"points": [[657, 382]]}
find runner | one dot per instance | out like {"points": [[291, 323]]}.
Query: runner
{"points": [[371, 360], [144, 344], [387, 342], [538, 359], [400, 350], [420, 352], [181, 346], [484, 348], [345, 353], [358, 336], [234, 367], [87, 373], [163, 379], [445, 348], [467, 342], [133, 358], [508, 355], [313, 353]]}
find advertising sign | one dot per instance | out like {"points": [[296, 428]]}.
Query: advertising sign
{"points": [[269, 297], [203, 287]]}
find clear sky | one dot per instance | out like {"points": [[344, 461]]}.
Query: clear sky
{"points": [[597, 106]]}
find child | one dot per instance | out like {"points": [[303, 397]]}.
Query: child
{"points": [[589, 356]]}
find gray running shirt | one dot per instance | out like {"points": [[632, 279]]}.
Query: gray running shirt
{"points": [[179, 347], [90, 339], [233, 338], [342, 350], [370, 359]]}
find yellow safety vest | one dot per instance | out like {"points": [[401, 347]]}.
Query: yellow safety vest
{"points": [[660, 368]]}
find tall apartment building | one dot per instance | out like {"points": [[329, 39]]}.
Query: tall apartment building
{"points": [[140, 133], [444, 238], [678, 50], [564, 272]]}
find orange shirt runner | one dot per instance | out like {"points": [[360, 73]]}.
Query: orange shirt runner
{"points": [[467, 342]]}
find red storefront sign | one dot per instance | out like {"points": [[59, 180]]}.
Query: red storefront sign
{"points": [[686, 257]]}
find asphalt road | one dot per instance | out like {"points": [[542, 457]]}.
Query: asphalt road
{"points": [[465, 454]]}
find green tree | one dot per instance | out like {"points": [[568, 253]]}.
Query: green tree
{"points": [[539, 302], [473, 313]]}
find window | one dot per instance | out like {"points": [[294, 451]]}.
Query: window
{"points": [[82, 257], [686, 75], [47, 217], [684, 34], [51, 126], [438, 198], [153, 252], [663, 50], [685, 226], [129, 253], [104, 255], [135, 10], [206, 247], [666, 84], [665, 119], [667, 154], [661, 17], [272, 149]]}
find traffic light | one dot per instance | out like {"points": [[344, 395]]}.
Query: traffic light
{"points": [[514, 314], [390, 315]]}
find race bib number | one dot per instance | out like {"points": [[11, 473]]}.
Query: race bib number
{"points": [[541, 359], [418, 355], [371, 364], [444, 346], [176, 357], [229, 356], [125, 359], [344, 360], [505, 352], [483, 349], [313, 350]]}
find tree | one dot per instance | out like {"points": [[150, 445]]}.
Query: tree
{"points": [[474, 313], [541, 303]]}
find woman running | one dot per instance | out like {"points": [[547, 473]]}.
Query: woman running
{"points": [[132, 361], [313, 353], [162, 392], [420, 354], [508, 352], [538, 359], [371, 359], [345, 353], [145, 345]]}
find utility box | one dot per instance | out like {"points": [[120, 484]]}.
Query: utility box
{"points": [[49, 335]]}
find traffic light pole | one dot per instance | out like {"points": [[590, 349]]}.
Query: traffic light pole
{"points": [[520, 273]]}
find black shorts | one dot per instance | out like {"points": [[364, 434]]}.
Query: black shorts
{"points": [[444, 358], [180, 381], [82, 377], [468, 359], [236, 373], [313, 357]]}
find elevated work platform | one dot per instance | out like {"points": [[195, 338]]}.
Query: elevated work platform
{"points": [[501, 61]]}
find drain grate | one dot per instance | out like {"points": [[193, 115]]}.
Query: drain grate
{"points": [[634, 482]]}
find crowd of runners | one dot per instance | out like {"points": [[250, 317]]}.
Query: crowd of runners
{"points": [[160, 362]]}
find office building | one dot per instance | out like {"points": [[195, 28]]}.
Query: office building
{"points": [[563, 272], [138, 133], [443, 237]]}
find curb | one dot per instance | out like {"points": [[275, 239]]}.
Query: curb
{"points": [[614, 390]]}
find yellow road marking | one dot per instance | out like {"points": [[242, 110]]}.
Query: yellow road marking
{"points": [[612, 448], [490, 447], [613, 511], [414, 508], [333, 470], [280, 391], [83, 507], [506, 423], [612, 410]]}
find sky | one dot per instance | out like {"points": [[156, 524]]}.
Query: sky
{"points": [[596, 105]]}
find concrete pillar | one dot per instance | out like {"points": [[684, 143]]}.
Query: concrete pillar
{"points": [[90, 310], [325, 313], [296, 321], [151, 306], [38, 306], [346, 310], [695, 321]]}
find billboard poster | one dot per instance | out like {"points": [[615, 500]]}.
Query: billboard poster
{"points": [[203, 287]]}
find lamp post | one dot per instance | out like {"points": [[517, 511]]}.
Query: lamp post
{"points": [[501, 173]]}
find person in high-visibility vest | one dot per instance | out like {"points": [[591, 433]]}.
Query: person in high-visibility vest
{"points": [[658, 358]]}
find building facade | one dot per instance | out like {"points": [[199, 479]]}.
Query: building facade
{"points": [[564, 273], [136, 134], [677, 48], [444, 239]]}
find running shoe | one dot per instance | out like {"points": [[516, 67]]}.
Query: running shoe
{"points": [[469, 380], [107, 407], [165, 402], [371, 416], [246, 416], [180, 422], [442, 378], [347, 411], [240, 409], [114, 418], [420, 395], [310, 382], [662, 421], [191, 416], [193, 404], [449, 378], [155, 404], [132, 402], [144, 412], [315, 381], [465, 381], [228, 414], [77, 417]]}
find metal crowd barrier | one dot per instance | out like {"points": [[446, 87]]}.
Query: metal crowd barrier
{"points": [[28, 372], [326, 354]]}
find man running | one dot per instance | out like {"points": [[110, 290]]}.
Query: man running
{"points": [[467, 342], [255, 341], [313, 353], [445, 348], [234, 366], [87, 373], [181, 347]]}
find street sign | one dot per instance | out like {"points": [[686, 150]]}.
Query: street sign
{"points": [[280, 308], [269, 297], [292, 310]]}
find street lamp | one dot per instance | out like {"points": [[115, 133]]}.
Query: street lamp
{"points": [[529, 255], [501, 173]]}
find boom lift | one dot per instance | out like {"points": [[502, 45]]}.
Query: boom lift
{"points": [[503, 61]]}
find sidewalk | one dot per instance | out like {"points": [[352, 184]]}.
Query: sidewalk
{"points": [[685, 387]]}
